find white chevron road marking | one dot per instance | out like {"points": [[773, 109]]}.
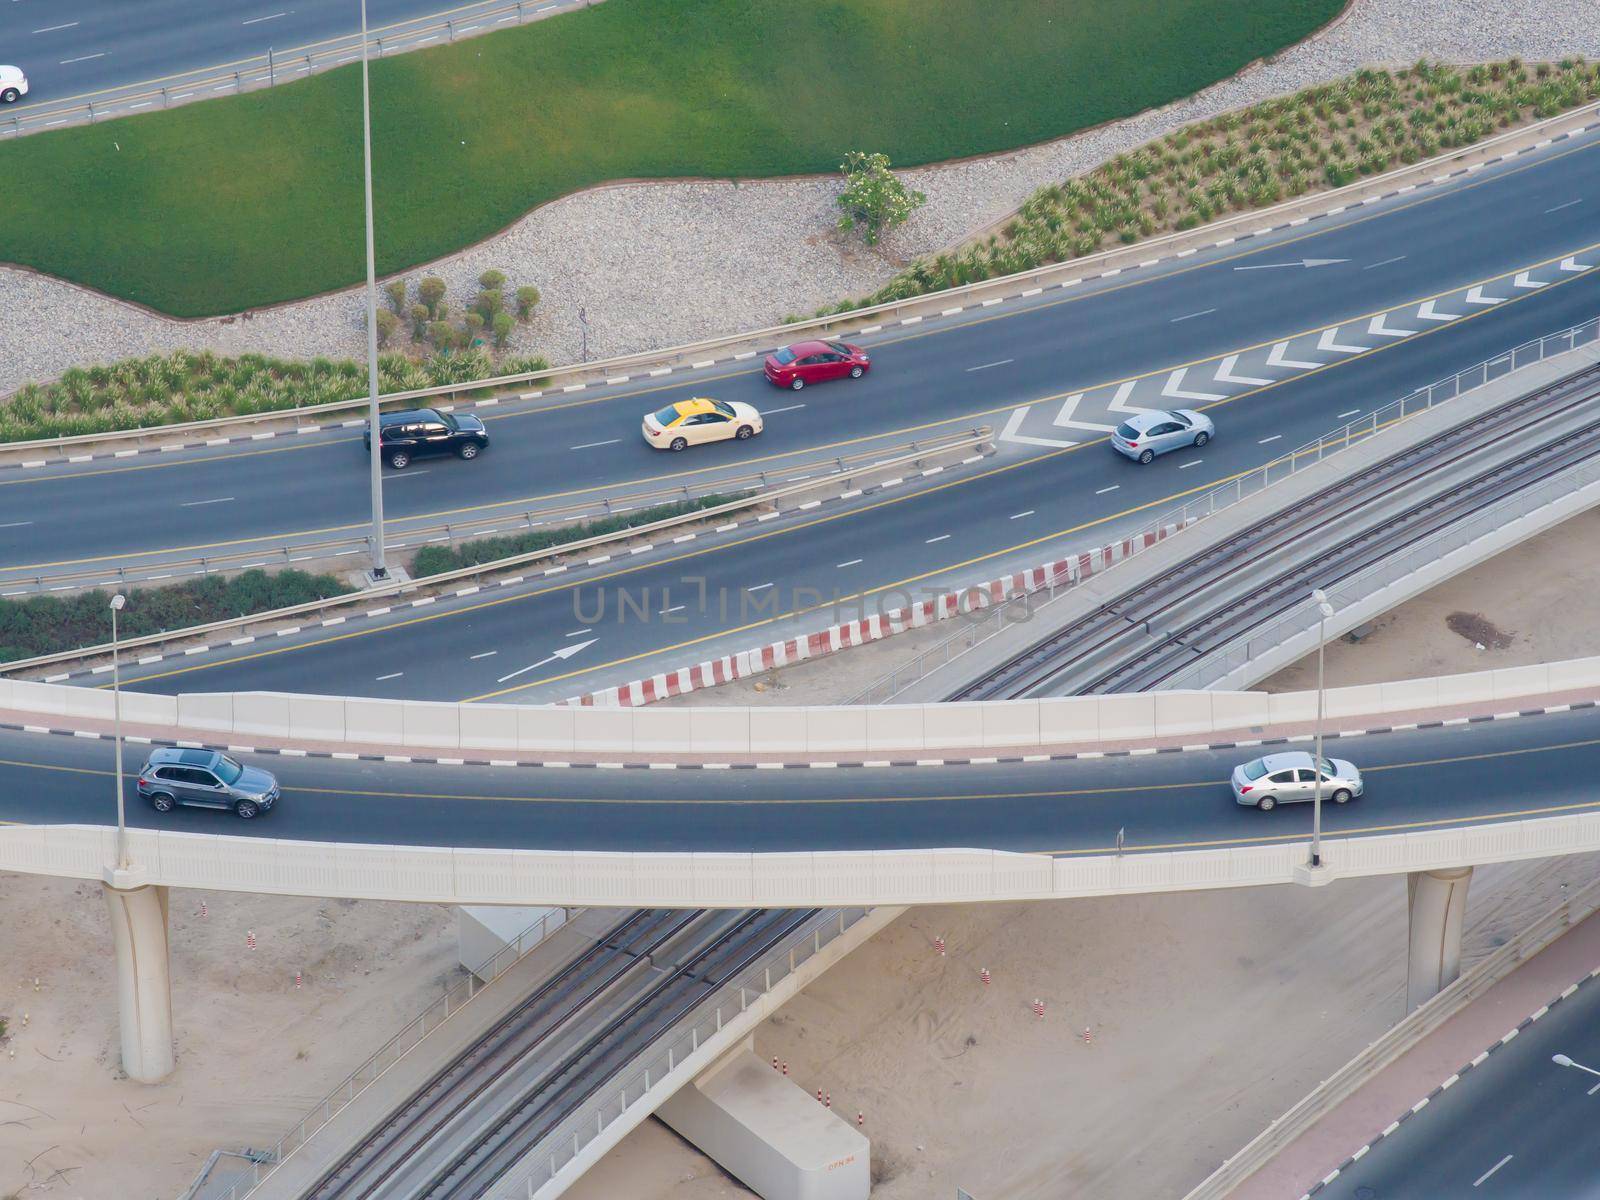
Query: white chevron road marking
{"points": [[1010, 434], [1428, 313], [1378, 327], [1523, 281], [1476, 296], [1276, 359], [1572, 264], [1174, 388], [1326, 342], [1069, 406], [1119, 402], [1225, 373]]}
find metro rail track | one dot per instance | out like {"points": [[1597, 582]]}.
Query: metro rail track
{"points": [[1152, 632], [437, 1146]]}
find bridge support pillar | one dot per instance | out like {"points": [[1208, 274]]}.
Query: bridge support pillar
{"points": [[1437, 901], [144, 988]]}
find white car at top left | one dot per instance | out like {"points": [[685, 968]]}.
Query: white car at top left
{"points": [[13, 84]]}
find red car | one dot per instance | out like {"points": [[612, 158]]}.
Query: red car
{"points": [[812, 362]]}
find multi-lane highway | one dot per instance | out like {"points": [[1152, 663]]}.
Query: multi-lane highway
{"points": [[1408, 291], [72, 47], [1516, 1127], [1445, 775]]}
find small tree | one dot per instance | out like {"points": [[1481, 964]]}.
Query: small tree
{"points": [[874, 198], [431, 291], [395, 289], [474, 326], [441, 335], [419, 321], [387, 324], [492, 281], [490, 302], [503, 324], [527, 300]]}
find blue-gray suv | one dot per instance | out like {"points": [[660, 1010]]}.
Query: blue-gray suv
{"points": [[205, 779]]}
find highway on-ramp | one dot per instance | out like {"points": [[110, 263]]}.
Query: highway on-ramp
{"points": [[1434, 776]]}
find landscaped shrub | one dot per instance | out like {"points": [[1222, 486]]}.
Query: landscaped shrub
{"points": [[874, 198], [527, 299], [503, 325], [387, 324], [435, 560], [430, 291], [50, 624], [492, 281], [1328, 135], [395, 289]]}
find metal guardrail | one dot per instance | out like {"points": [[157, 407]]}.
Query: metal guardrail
{"points": [[858, 321], [1402, 1037], [978, 631], [975, 438], [452, 1001], [543, 1163], [274, 67], [404, 536]]}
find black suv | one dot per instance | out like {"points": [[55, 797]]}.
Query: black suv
{"points": [[422, 431]]}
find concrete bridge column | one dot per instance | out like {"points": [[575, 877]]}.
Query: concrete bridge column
{"points": [[144, 989], [1437, 901]]}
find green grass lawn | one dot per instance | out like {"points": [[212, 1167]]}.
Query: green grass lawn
{"points": [[241, 202]]}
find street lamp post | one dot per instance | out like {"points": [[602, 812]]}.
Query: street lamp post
{"points": [[1324, 611], [380, 569], [117, 602], [1561, 1060]]}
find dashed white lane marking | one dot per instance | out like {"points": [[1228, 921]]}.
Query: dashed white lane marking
{"points": [[787, 408], [67, 62], [1478, 1182], [673, 609], [1349, 412], [1112, 488], [854, 562], [1265, 440], [1191, 316], [1384, 263], [1193, 462], [71, 24], [485, 654], [576, 632], [269, 17], [200, 503], [997, 363], [1018, 516], [592, 445], [760, 587], [392, 476], [943, 537], [1568, 204], [15, 524], [396, 675]]}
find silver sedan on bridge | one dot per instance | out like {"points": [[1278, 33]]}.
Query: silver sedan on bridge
{"points": [[1276, 779], [1143, 436]]}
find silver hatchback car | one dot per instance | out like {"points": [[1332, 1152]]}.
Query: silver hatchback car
{"points": [[1265, 783], [1148, 434]]}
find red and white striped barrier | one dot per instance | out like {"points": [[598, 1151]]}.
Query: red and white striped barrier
{"points": [[1058, 573]]}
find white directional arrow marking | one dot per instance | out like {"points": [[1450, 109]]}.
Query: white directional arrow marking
{"points": [[1010, 434], [1069, 406], [1428, 313], [1326, 342], [564, 653], [1377, 326], [1304, 262], [1174, 388], [1276, 359], [1572, 264], [1225, 373], [1522, 281], [1476, 296]]}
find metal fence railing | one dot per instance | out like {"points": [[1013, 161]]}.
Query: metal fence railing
{"points": [[984, 625], [544, 1162], [275, 66], [449, 1003]]}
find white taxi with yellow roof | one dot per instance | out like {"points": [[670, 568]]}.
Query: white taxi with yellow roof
{"points": [[686, 423]]}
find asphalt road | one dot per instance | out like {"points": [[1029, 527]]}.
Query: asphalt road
{"points": [[977, 368], [1516, 1127], [69, 47], [1415, 779]]}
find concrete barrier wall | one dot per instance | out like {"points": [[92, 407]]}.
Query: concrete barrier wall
{"points": [[796, 880], [897, 729]]}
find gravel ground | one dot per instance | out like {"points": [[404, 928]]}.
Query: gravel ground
{"points": [[700, 259]]}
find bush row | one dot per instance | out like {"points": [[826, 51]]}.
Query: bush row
{"points": [[1322, 137], [48, 624], [165, 389], [435, 560]]}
